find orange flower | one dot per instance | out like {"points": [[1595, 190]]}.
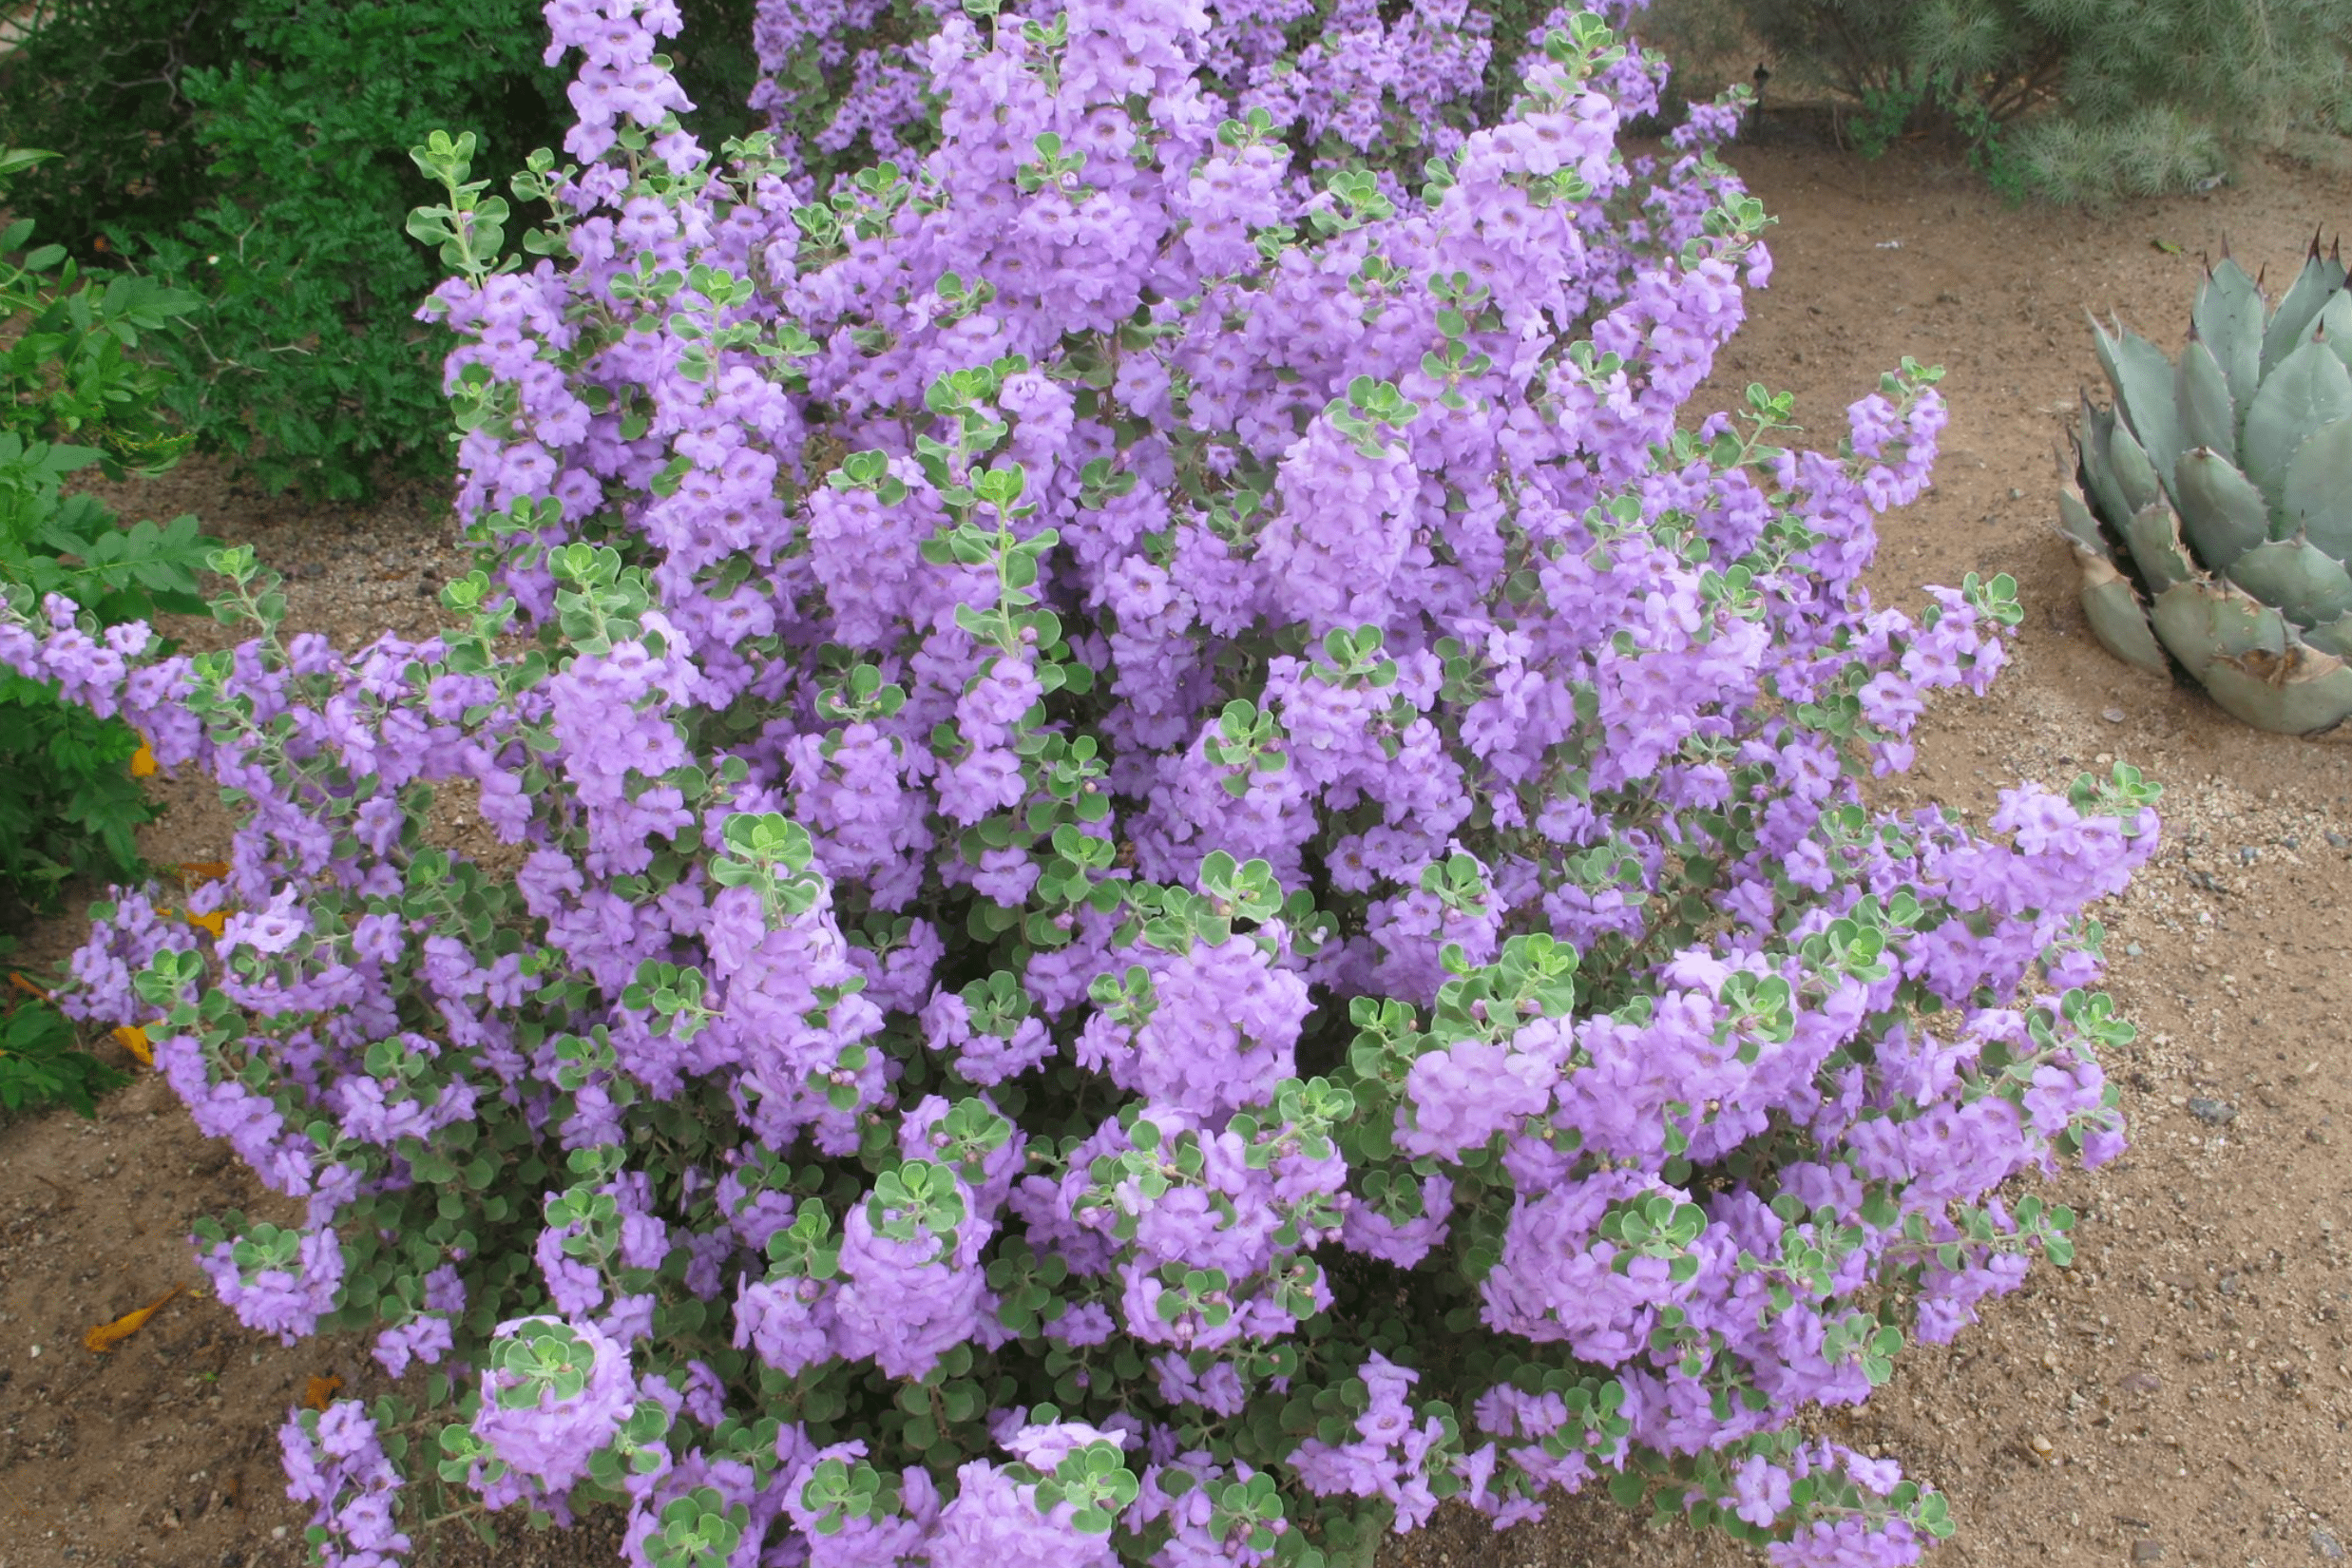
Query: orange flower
{"points": [[143, 762], [318, 1391]]}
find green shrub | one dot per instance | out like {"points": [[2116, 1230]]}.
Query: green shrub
{"points": [[254, 161], [99, 81], [75, 394], [42, 1061], [2073, 100]]}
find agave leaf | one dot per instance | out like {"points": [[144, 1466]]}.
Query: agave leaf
{"points": [[2303, 691], [2082, 528], [2119, 620], [2334, 325], [2155, 537], [2228, 317], [2222, 513], [2307, 586], [2332, 637], [2143, 380], [2310, 388], [2319, 490], [2096, 474], [2201, 620], [2136, 479], [2291, 323], [2208, 415]]}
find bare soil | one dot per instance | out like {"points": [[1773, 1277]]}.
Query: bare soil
{"points": [[2181, 1395]]}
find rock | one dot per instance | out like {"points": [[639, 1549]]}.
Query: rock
{"points": [[2131, 950], [2113, 715], [2146, 1551], [2214, 1113], [2141, 1383], [2325, 1545]]}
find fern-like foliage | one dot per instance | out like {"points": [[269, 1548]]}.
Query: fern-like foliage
{"points": [[2079, 100]]}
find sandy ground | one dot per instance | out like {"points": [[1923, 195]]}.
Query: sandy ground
{"points": [[2180, 1396]]}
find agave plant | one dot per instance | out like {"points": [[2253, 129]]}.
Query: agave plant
{"points": [[2211, 508]]}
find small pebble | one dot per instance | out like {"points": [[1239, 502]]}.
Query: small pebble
{"points": [[2142, 1383], [2041, 1445], [2337, 839], [36, 1349], [2131, 950], [2228, 1285], [2325, 1545], [2248, 856], [2214, 1113], [2146, 1551], [2113, 715]]}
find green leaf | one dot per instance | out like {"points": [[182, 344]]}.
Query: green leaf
{"points": [[2290, 324], [2143, 380], [2318, 492], [2305, 584], [2208, 416], [2222, 513], [2310, 388], [2228, 317]]}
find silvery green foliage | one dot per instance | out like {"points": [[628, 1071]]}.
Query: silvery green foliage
{"points": [[2211, 511]]}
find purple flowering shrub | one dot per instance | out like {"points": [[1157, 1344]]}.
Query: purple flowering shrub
{"points": [[1345, 80], [1175, 875]]}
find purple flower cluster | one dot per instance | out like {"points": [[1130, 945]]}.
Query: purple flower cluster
{"points": [[1350, 80], [1177, 873], [334, 1460]]}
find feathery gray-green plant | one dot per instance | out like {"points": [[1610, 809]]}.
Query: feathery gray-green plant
{"points": [[2070, 100]]}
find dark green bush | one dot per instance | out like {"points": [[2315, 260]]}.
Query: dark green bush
{"points": [[76, 393], [42, 1061], [2070, 100], [250, 151], [308, 363]]}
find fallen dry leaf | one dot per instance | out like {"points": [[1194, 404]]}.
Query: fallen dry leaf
{"points": [[134, 1039], [215, 920], [203, 870], [27, 986], [318, 1391], [106, 1335]]}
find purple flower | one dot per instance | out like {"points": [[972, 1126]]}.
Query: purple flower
{"points": [[555, 1395]]}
